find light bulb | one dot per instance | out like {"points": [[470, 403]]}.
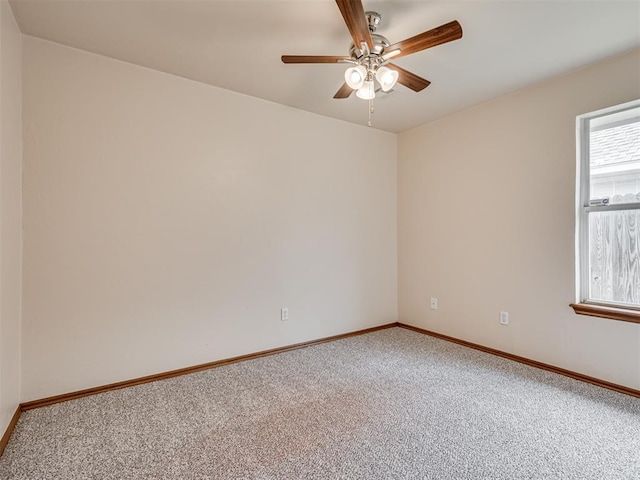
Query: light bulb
{"points": [[355, 76], [387, 78], [367, 91]]}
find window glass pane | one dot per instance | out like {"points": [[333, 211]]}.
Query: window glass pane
{"points": [[614, 256], [614, 158]]}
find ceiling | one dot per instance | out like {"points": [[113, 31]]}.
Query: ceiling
{"points": [[237, 44]]}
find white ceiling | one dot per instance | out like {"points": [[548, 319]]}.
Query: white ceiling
{"points": [[237, 44]]}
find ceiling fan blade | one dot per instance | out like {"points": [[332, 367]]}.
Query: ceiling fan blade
{"points": [[313, 59], [353, 14], [344, 91], [431, 38], [408, 79]]}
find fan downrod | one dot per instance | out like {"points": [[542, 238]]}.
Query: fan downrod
{"points": [[380, 42], [373, 19]]}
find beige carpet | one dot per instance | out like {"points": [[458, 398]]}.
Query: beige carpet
{"points": [[393, 404]]}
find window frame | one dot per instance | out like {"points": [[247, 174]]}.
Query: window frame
{"points": [[583, 305]]}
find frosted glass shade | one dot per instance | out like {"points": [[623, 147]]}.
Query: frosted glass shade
{"points": [[387, 78], [367, 91], [355, 76]]}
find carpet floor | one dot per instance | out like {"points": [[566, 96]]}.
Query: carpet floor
{"points": [[393, 404]]}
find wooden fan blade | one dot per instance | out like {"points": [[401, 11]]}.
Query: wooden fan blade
{"points": [[313, 59], [408, 79], [344, 91], [353, 14], [436, 36]]}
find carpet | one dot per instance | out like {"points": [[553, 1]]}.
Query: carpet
{"points": [[392, 404]]}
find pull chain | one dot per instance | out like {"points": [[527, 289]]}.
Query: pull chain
{"points": [[371, 109]]}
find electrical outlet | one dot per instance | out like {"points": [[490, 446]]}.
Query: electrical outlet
{"points": [[284, 314], [504, 318], [434, 303]]}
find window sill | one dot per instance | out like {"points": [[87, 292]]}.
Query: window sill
{"points": [[623, 314]]}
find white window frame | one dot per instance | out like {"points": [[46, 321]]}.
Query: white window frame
{"points": [[583, 176]]}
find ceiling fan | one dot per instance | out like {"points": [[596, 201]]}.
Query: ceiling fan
{"points": [[370, 53]]}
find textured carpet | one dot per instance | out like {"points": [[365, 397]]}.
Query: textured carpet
{"points": [[393, 404]]}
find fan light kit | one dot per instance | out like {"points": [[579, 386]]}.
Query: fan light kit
{"points": [[360, 79], [370, 54]]}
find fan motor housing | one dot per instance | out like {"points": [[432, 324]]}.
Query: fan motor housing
{"points": [[379, 44]]}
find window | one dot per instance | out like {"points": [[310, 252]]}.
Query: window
{"points": [[608, 210]]}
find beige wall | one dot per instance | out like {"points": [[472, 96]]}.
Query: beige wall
{"points": [[486, 223], [166, 222], [10, 212]]}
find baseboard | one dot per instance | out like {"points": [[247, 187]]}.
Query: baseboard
{"points": [[7, 434], [527, 361], [185, 371], [206, 366]]}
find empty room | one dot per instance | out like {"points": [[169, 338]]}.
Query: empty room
{"points": [[319, 239]]}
